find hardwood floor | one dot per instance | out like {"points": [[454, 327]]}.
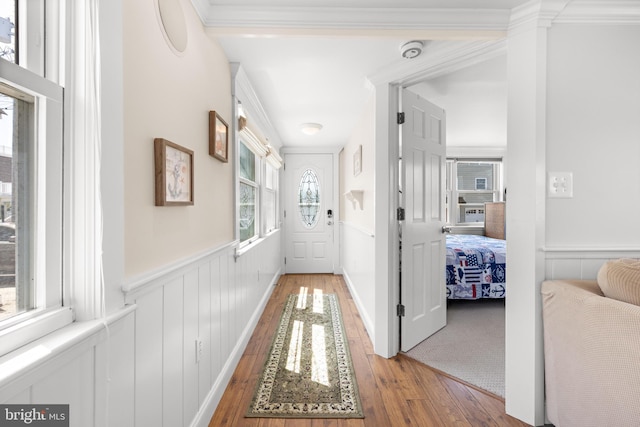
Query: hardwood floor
{"points": [[394, 392]]}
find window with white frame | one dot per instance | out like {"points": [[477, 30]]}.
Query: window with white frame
{"points": [[248, 197], [470, 184], [257, 188], [50, 179], [270, 198]]}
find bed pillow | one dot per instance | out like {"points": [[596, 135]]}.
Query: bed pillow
{"points": [[620, 279]]}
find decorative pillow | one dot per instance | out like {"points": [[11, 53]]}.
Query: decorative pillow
{"points": [[620, 279]]}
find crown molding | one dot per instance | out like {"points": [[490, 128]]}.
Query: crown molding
{"points": [[544, 13], [600, 12], [235, 19]]}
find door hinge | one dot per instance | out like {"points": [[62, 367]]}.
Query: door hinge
{"points": [[400, 310], [400, 214], [400, 118]]}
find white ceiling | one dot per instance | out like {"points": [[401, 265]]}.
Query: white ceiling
{"points": [[313, 61]]}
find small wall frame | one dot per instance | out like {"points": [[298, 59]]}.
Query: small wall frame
{"points": [[218, 137], [357, 161], [174, 173]]}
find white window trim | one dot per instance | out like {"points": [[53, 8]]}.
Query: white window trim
{"points": [[47, 257], [453, 192], [251, 144], [76, 273]]}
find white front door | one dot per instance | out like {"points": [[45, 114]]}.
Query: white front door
{"points": [[309, 213], [423, 242]]}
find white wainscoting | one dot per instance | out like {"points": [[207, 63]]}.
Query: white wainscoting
{"points": [[87, 365], [166, 358], [582, 263], [358, 269]]}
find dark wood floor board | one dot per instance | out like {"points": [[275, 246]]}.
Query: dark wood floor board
{"points": [[394, 392]]}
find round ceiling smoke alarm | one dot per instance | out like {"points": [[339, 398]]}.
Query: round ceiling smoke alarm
{"points": [[411, 49]]}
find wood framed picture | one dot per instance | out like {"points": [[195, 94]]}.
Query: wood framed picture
{"points": [[218, 137], [357, 161], [174, 173]]}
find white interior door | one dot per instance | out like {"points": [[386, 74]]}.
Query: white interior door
{"points": [[309, 213], [423, 242]]}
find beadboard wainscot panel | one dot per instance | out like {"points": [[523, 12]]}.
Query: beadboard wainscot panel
{"points": [[193, 322], [358, 269], [581, 263], [87, 365]]}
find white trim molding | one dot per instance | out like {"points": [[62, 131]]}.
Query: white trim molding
{"points": [[582, 262], [234, 19]]}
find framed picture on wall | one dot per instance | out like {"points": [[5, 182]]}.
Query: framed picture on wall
{"points": [[174, 173], [357, 161], [218, 137]]}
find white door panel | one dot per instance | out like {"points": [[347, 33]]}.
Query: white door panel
{"points": [[423, 243], [308, 198]]}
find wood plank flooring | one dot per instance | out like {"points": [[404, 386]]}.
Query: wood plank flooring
{"points": [[394, 392]]}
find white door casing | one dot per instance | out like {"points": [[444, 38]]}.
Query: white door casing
{"points": [[423, 241], [309, 236]]}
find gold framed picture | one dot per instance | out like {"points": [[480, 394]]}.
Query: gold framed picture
{"points": [[218, 137]]}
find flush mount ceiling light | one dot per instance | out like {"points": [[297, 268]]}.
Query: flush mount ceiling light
{"points": [[411, 49], [310, 128]]}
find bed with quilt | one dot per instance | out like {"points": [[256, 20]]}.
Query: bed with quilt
{"points": [[476, 267]]}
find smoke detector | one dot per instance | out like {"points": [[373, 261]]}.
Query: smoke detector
{"points": [[411, 49]]}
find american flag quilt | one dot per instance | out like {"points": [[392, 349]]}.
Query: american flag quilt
{"points": [[476, 267]]}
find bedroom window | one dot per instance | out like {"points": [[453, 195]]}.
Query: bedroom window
{"points": [[470, 184]]}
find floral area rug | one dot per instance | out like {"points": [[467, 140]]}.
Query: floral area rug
{"points": [[308, 373]]}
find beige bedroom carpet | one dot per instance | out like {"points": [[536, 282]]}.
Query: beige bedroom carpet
{"points": [[471, 346]]}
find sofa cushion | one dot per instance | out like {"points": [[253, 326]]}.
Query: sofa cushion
{"points": [[620, 279]]}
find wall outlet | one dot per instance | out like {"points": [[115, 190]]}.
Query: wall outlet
{"points": [[198, 350], [560, 184]]}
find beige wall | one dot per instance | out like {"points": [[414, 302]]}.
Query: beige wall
{"points": [[169, 96], [363, 134]]}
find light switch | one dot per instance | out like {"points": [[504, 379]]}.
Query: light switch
{"points": [[560, 185]]}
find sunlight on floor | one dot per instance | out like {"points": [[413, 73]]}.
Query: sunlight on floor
{"points": [[302, 298], [318, 302], [295, 347], [319, 368]]}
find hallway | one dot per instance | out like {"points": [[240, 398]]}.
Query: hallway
{"points": [[394, 392]]}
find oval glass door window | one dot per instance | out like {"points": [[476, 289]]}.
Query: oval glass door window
{"points": [[309, 199]]}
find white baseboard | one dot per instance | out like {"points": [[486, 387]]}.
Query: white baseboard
{"points": [[364, 315], [208, 408]]}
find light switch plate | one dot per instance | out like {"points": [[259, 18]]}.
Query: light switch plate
{"points": [[560, 185]]}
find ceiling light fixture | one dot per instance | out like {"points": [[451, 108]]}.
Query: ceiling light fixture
{"points": [[411, 49], [310, 128]]}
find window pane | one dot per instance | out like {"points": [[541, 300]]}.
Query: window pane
{"points": [[475, 176], [7, 30], [270, 210], [247, 211], [247, 163], [16, 294], [309, 198]]}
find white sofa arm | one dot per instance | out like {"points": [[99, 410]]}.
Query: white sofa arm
{"points": [[592, 356]]}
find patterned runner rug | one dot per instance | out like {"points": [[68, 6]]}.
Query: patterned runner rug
{"points": [[308, 373]]}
